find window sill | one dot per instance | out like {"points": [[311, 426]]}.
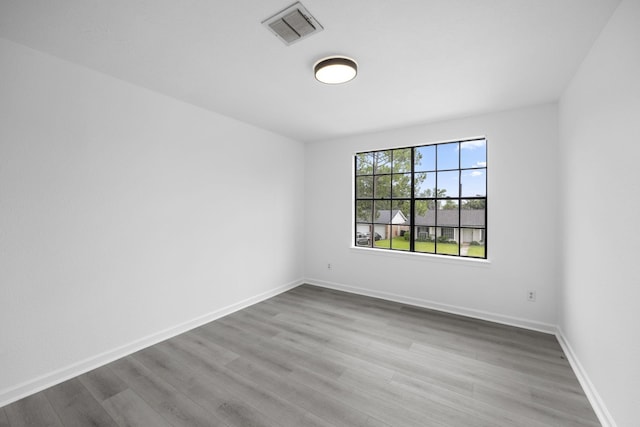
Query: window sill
{"points": [[474, 262]]}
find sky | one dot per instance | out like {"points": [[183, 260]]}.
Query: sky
{"points": [[469, 154], [442, 162]]}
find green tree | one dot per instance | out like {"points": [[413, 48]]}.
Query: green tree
{"points": [[449, 205], [384, 175], [474, 204], [425, 205]]}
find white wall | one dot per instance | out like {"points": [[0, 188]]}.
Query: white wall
{"points": [[600, 137], [124, 213], [522, 195]]}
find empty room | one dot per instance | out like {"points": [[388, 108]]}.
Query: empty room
{"points": [[320, 213]]}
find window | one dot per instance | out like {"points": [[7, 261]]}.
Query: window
{"points": [[428, 199], [448, 233]]}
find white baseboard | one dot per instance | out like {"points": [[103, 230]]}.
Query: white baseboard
{"points": [[453, 309], [12, 394], [603, 414]]}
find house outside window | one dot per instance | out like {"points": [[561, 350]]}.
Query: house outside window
{"points": [[428, 199], [448, 232]]}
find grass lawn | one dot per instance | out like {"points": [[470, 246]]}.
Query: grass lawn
{"points": [[476, 251], [429, 247], [397, 243]]}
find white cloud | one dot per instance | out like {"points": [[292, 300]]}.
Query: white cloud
{"points": [[476, 173], [472, 145], [481, 164]]}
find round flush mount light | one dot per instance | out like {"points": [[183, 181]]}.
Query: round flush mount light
{"points": [[335, 70]]}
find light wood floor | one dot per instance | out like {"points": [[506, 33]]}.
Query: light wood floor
{"points": [[317, 357]]}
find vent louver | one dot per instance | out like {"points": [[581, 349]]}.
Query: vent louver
{"points": [[293, 24]]}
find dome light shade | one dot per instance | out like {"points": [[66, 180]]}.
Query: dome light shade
{"points": [[335, 70]]}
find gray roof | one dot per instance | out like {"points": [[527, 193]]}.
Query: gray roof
{"points": [[446, 218], [385, 216], [449, 218]]}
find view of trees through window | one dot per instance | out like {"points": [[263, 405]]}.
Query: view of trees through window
{"points": [[429, 199]]}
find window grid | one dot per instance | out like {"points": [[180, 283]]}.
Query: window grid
{"points": [[394, 211]]}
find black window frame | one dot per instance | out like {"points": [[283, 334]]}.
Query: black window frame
{"points": [[385, 179]]}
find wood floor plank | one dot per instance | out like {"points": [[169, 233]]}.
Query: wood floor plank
{"points": [[268, 404], [320, 404], [415, 391], [374, 422], [32, 411], [500, 378], [571, 403], [102, 383], [296, 356], [529, 408], [319, 357], [173, 368], [368, 401], [248, 323], [130, 410], [277, 409], [75, 406], [166, 368], [170, 403], [239, 342], [402, 362], [211, 349], [553, 375], [4, 421]]}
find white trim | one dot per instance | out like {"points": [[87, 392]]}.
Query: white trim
{"points": [[454, 309], [603, 414], [418, 143], [476, 262], [12, 394]]}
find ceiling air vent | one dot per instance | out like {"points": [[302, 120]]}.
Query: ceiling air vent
{"points": [[293, 24]]}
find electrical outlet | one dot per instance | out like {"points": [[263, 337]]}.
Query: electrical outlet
{"points": [[531, 296], [329, 267]]}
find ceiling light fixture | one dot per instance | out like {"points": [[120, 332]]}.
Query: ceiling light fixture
{"points": [[335, 70]]}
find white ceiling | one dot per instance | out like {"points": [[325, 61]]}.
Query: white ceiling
{"points": [[420, 60]]}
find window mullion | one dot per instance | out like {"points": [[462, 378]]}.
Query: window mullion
{"points": [[412, 205]]}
